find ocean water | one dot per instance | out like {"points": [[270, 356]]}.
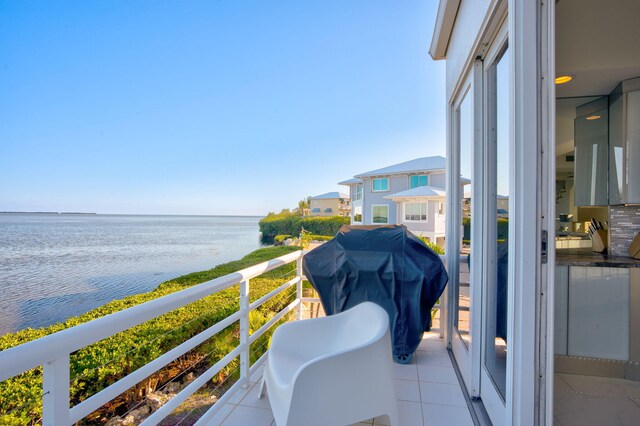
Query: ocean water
{"points": [[54, 266]]}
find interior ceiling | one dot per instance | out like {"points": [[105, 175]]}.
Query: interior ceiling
{"points": [[598, 42]]}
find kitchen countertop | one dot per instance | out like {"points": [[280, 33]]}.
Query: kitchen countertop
{"points": [[587, 257]]}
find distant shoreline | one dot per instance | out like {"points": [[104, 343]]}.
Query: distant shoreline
{"points": [[132, 214], [46, 213]]}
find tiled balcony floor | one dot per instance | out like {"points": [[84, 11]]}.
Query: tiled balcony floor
{"points": [[587, 400], [428, 393]]}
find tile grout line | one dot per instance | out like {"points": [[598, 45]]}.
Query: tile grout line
{"points": [[224, 419], [565, 382], [420, 390]]}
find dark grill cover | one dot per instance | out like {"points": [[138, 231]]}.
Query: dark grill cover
{"points": [[387, 265]]}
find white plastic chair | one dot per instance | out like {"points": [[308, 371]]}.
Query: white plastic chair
{"points": [[335, 370]]}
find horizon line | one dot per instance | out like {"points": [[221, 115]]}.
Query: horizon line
{"points": [[128, 214]]}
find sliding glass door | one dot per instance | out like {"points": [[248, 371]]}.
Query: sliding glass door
{"points": [[496, 244], [464, 274]]}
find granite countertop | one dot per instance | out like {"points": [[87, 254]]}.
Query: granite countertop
{"points": [[587, 257]]}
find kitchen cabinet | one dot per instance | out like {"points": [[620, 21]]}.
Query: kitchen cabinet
{"points": [[561, 307], [591, 166], [592, 312], [624, 143]]}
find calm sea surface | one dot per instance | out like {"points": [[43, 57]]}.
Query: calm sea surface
{"points": [[56, 266]]}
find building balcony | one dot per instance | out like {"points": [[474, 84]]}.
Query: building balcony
{"points": [[428, 393], [428, 389]]}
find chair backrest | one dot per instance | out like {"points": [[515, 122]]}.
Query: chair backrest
{"points": [[359, 326]]}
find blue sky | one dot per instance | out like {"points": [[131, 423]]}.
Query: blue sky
{"points": [[212, 107]]}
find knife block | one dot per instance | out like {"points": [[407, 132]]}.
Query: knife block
{"points": [[634, 248], [599, 240]]}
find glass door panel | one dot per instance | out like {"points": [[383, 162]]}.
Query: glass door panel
{"points": [[464, 217], [462, 321], [497, 241]]}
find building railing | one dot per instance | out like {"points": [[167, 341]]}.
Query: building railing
{"points": [[52, 352]]}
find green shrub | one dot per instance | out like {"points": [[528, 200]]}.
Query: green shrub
{"points": [[436, 248], [279, 239], [433, 246], [322, 225], [279, 224], [283, 223], [313, 237], [503, 228], [99, 365], [466, 224]]}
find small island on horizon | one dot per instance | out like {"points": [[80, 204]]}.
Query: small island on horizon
{"points": [[47, 213]]}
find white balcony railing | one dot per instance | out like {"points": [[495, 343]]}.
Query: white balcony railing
{"points": [[52, 351]]}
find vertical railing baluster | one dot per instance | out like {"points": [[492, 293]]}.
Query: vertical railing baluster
{"points": [[244, 333], [55, 392], [299, 288]]}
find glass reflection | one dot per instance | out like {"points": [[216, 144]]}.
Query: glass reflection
{"points": [[497, 285], [463, 317]]}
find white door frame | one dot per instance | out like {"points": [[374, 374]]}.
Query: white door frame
{"points": [[530, 205], [466, 357], [493, 402], [546, 348], [529, 383]]}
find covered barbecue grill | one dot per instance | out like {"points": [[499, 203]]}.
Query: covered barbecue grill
{"points": [[387, 265]]}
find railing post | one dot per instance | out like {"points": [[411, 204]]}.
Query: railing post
{"points": [[55, 392], [244, 333], [299, 288]]}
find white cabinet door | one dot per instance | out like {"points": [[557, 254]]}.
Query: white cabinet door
{"points": [[591, 165], [633, 147], [624, 143], [598, 323], [560, 310]]}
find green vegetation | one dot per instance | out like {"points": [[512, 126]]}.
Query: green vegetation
{"points": [[97, 366], [279, 239], [279, 224], [503, 228], [303, 205], [313, 237], [323, 225], [433, 246], [286, 223]]}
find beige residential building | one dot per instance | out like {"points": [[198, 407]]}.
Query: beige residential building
{"points": [[330, 204]]}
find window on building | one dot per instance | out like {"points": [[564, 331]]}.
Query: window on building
{"points": [[380, 214], [381, 184], [357, 192], [415, 212], [418, 180], [440, 208], [357, 214]]}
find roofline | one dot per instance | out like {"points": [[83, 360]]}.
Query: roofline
{"points": [[447, 11], [404, 172], [415, 197], [349, 182], [324, 197]]}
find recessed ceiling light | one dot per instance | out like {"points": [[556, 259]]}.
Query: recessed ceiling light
{"points": [[593, 117], [562, 79]]}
